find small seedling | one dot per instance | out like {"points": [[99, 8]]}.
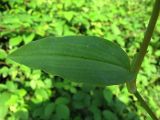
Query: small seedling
{"points": [[88, 59]]}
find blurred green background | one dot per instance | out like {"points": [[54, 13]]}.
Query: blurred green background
{"points": [[27, 94]]}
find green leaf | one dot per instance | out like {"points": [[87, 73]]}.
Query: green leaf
{"points": [[15, 41], [28, 38], [22, 114], [108, 115], [61, 100], [87, 59], [62, 109], [96, 113], [68, 15], [107, 95], [49, 109], [3, 111], [2, 54]]}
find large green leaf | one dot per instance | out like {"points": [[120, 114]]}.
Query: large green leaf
{"points": [[86, 59]]}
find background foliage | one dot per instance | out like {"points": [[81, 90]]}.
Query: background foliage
{"points": [[32, 94]]}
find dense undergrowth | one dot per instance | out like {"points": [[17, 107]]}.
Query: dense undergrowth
{"points": [[34, 95]]}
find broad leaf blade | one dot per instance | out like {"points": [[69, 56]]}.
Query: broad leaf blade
{"points": [[86, 59]]}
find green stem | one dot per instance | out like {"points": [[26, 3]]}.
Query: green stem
{"points": [[143, 48], [140, 56], [145, 105], [147, 37]]}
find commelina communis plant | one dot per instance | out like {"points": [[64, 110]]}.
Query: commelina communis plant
{"points": [[88, 59]]}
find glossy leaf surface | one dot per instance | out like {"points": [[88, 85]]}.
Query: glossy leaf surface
{"points": [[87, 59]]}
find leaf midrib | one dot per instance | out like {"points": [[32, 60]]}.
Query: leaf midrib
{"points": [[78, 57]]}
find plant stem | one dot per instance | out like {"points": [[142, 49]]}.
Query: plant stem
{"points": [[140, 56], [145, 105], [147, 37], [143, 48]]}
